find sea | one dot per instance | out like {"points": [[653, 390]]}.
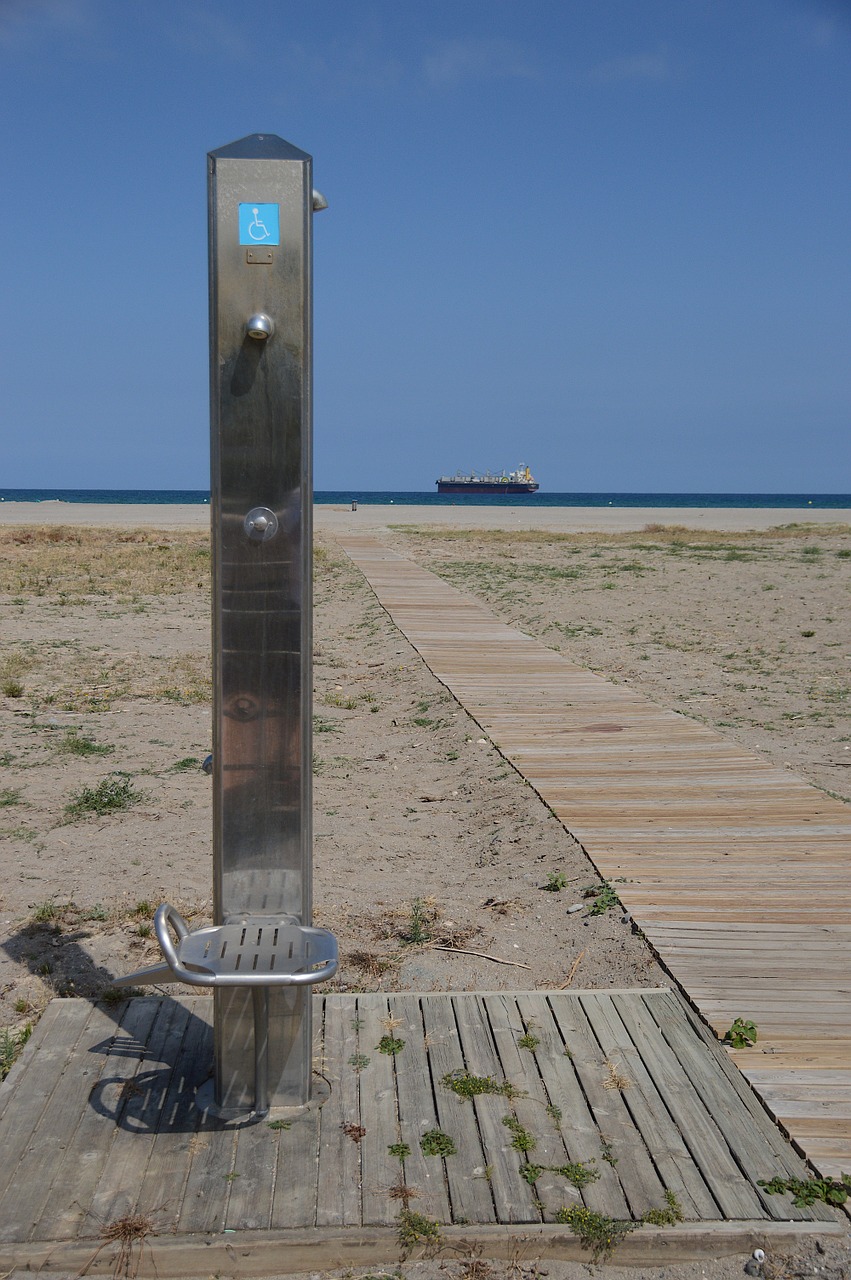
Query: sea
{"points": [[197, 497]]}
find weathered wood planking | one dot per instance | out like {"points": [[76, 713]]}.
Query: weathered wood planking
{"points": [[735, 870], [114, 1105]]}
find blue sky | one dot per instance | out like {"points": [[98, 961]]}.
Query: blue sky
{"points": [[607, 238]]}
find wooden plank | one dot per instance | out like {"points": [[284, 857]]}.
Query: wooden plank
{"points": [[296, 1175], [162, 1191], [309, 1252], [297, 1171], [581, 1134], [661, 1136], [42, 1035], [31, 1187], [699, 1128], [566, 1022], [252, 1179], [417, 1112], [138, 1117], [469, 1193], [378, 1113], [45, 1063], [512, 1195], [118, 1048], [338, 1200], [532, 1105], [211, 1158]]}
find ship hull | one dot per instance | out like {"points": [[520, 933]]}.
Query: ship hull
{"points": [[509, 488]]}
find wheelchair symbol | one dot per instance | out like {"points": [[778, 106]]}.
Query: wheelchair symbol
{"points": [[257, 229]]}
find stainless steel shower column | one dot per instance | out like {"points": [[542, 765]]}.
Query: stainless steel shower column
{"points": [[260, 211]]}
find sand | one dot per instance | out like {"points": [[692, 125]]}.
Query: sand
{"points": [[336, 518], [417, 818]]}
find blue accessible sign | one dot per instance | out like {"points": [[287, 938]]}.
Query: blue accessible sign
{"points": [[259, 224]]}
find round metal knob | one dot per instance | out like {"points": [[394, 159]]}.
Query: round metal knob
{"points": [[261, 524], [259, 326]]}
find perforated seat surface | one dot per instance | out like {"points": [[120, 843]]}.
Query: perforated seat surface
{"points": [[263, 952]]}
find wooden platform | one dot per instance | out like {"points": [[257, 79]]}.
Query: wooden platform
{"points": [[99, 1120], [735, 870]]}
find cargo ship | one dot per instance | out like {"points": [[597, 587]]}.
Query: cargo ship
{"points": [[508, 482]]}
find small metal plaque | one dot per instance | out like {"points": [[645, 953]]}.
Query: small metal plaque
{"points": [[262, 256]]}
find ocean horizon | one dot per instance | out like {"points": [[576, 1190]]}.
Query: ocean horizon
{"points": [[199, 497]]}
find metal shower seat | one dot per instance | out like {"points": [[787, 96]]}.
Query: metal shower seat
{"points": [[257, 952]]}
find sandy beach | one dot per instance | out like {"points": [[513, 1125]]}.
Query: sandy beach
{"points": [[335, 518], [106, 643], [735, 617]]}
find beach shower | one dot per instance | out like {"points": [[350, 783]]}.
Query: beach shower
{"points": [[262, 955]]}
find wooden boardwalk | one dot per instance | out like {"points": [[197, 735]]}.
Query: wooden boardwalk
{"points": [[99, 1121], [735, 870]]}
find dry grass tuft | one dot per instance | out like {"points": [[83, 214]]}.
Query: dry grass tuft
{"points": [[126, 1232], [661, 533], [616, 1079], [401, 1191], [61, 562]]}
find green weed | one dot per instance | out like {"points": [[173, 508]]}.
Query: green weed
{"points": [[390, 1045], [419, 930], [597, 1232], [466, 1085], [437, 1143], [112, 795], [46, 912], [12, 1041], [806, 1192], [667, 1217], [400, 1150], [76, 743], [556, 881], [522, 1139], [605, 898], [416, 1228], [741, 1035], [9, 796]]}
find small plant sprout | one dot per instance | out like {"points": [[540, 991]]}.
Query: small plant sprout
{"points": [[667, 1217], [605, 898], [522, 1139], [529, 1041], [556, 881], [400, 1150], [421, 917], [390, 1045], [437, 1143], [358, 1061], [742, 1034]]}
